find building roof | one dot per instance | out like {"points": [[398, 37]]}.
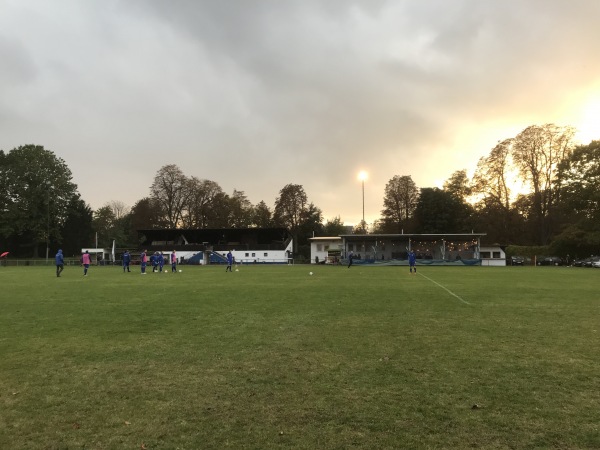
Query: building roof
{"points": [[430, 236], [214, 236]]}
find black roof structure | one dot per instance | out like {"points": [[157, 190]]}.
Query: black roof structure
{"points": [[217, 238]]}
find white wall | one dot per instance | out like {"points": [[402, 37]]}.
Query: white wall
{"points": [[500, 261]]}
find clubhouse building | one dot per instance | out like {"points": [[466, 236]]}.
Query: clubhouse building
{"points": [[452, 249]]}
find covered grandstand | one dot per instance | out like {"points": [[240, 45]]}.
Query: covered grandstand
{"points": [[430, 249]]}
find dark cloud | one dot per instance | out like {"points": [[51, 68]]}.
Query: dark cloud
{"points": [[255, 95]]}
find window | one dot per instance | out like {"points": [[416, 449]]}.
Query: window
{"points": [[496, 255], [319, 247], [265, 255], [247, 254], [486, 254], [253, 255]]}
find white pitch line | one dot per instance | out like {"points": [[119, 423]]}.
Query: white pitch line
{"points": [[445, 288]]}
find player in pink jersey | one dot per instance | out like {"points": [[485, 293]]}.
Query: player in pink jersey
{"points": [[86, 260], [143, 261], [173, 262]]}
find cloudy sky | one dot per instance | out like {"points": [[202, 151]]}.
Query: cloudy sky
{"points": [[258, 94]]}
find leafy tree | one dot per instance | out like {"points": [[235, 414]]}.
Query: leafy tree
{"points": [[458, 185], [37, 191], [109, 227], [290, 209], [334, 227], [577, 241], [361, 228], [219, 213], [399, 201], [241, 210], [579, 176], [311, 225], [77, 231], [439, 211], [204, 197], [104, 220], [537, 152], [501, 226], [262, 216], [145, 214]]}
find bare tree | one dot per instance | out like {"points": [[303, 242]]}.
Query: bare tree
{"points": [[118, 208], [537, 151], [491, 176], [170, 190]]}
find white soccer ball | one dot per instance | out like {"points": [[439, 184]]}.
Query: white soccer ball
{"points": [[166, 270], [237, 270], [310, 273], [179, 270]]}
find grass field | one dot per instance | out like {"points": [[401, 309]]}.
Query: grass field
{"points": [[271, 357]]}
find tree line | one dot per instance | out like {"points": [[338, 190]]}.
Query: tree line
{"points": [[536, 189], [557, 202]]}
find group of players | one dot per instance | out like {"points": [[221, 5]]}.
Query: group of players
{"points": [[156, 260]]}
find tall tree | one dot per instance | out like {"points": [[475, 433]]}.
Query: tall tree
{"points": [[399, 200], [103, 222], [494, 212], [458, 185], [241, 210], [77, 230], [491, 176], [262, 216], [219, 213], [537, 151], [37, 193], [334, 227], [579, 176], [170, 190], [361, 228], [290, 207], [439, 211], [203, 198], [145, 214]]}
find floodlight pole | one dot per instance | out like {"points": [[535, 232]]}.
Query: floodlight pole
{"points": [[363, 199], [47, 224]]}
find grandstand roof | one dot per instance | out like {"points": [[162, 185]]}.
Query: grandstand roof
{"points": [[215, 236], [426, 236]]}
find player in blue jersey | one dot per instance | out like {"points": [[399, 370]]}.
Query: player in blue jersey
{"points": [[412, 261]]}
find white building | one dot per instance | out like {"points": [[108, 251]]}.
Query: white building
{"points": [[492, 256], [325, 250]]}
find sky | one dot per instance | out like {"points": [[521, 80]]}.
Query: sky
{"points": [[258, 94]]}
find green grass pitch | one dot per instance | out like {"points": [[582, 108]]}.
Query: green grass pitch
{"points": [[272, 357]]}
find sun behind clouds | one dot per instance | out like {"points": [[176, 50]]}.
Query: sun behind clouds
{"points": [[588, 126]]}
